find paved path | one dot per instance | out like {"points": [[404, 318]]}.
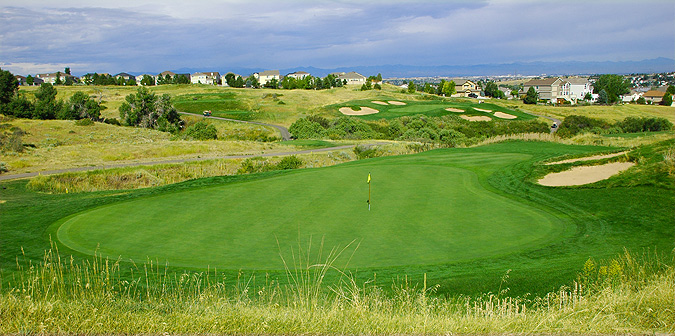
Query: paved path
{"points": [[556, 121], [174, 161], [283, 130]]}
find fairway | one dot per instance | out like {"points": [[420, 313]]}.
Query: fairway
{"points": [[426, 209]]}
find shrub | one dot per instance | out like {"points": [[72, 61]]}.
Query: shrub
{"points": [[201, 131], [84, 122], [112, 121], [289, 162], [304, 128]]}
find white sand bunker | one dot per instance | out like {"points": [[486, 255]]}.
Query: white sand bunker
{"points": [[504, 115], [589, 158], [584, 175], [393, 102], [475, 118], [482, 110], [364, 111], [451, 109], [379, 102]]}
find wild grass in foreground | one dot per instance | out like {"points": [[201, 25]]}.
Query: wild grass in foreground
{"points": [[629, 294]]}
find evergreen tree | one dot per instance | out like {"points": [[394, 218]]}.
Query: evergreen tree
{"points": [[667, 99], [532, 96]]}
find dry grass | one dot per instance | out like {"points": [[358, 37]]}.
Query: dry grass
{"points": [[581, 139]]}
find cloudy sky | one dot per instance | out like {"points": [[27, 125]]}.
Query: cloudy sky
{"points": [[153, 36]]}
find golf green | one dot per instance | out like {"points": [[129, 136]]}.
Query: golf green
{"points": [[425, 209]]}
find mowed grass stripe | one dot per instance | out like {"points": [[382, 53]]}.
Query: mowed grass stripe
{"points": [[430, 209]]}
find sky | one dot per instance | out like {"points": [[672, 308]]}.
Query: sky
{"points": [[140, 36]]}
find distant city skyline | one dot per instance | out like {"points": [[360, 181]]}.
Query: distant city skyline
{"points": [[152, 36]]}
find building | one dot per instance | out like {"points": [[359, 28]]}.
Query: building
{"points": [[298, 75], [465, 87], [210, 78], [548, 88], [576, 88], [351, 78], [632, 96], [267, 76], [53, 77], [21, 80], [125, 76], [654, 96]]}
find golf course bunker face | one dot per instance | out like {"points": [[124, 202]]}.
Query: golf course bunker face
{"points": [[584, 175], [482, 110], [394, 102], [379, 102], [504, 115], [452, 109], [424, 210], [475, 118], [364, 111], [589, 158]]}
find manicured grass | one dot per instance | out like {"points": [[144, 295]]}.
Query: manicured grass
{"points": [[330, 204], [433, 108], [419, 216]]}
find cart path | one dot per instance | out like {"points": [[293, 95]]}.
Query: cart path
{"points": [[5, 177], [285, 135], [557, 121]]}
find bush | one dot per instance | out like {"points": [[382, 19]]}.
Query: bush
{"points": [[84, 122], [304, 128], [643, 124], [112, 121], [201, 131], [574, 124], [289, 162], [363, 152]]}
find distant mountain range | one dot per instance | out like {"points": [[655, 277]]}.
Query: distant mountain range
{"points": [[655, 65]]}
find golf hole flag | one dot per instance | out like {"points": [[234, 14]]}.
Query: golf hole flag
{"points": [[368, 191]]}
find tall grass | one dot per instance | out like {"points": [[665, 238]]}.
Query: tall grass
{"points": [[60, 296]]}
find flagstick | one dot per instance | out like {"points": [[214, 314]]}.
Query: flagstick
{"points": [[369, 192]]}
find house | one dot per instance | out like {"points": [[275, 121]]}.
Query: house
{"points": [[654, 96], [576, 88], [21, 80], [549, 88], [351, 78], [465, 87], [140, 78], [267, 76], [52, 77], [632, 96], [125, 76], [162, 76], [210, 78], [298, 75]]}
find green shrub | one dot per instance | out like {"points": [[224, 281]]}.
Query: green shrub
{"points": [[84, 122], [289, 162], [201, 131]]}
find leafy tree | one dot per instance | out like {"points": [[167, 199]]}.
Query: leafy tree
{"points": [[147, 80], [531, 97], [81, 106], [9, 86], [667, 99], [449, 88], [379, 77], [603, 97], [514, 93], [411, 87], [377, 86], [588, 96], [67, 70], [46, 105], [239, 82], [253, 82], [641, 101], [229, 79], [30, 80], [20, 107], [671, 90], [614, 86], [272, 84], [58, 80], [145, 109], [491, 89]]}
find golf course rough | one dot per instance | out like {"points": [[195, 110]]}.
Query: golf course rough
{"points": [[429, 208]]}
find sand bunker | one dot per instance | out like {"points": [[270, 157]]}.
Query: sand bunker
{"points": [[584, 175], [379, 102], [482, 110], [589, 158], [450, 109], [364, 111], [504, 115], [393, 102], [476, 118]]}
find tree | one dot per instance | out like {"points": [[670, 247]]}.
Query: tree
{"points": [[147, 80], [145, 109], [614, 86], [239, 82], [670, 90], [58, 80], [532, 96], [603, 97], [491, 89], [81, 106], [588, 96], [641, 101], [67, 70], [46, 105], [448, 88], [667, 99], [411, 87], [229, 79], [30, 80], [9, 86], [379, 77], [253, 82]]}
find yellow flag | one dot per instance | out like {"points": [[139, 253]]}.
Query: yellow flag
{"points": [[369, 178]]}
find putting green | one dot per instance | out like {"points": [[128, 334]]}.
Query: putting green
{"points": [[426, 209]]}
